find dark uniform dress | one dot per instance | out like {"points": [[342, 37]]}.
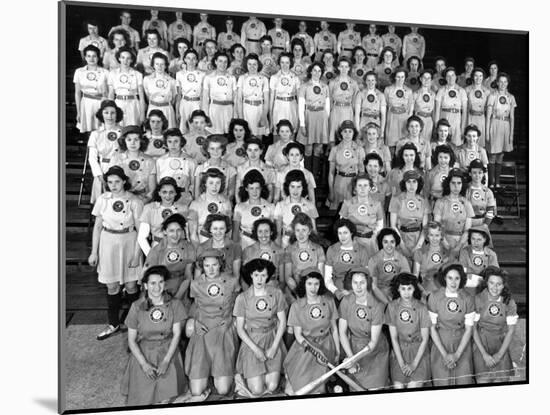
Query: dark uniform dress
{"points": [[384, 269], [430, 260], [342, 260]]}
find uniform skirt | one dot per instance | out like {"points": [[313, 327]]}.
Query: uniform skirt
{"points": [[212, 353], [456, 128], [395, 127], [88, 109], [408, 243], [492, 341], [285, 110], [247, 362], [409, 351], [365, 119], [301, 367], [253, 115], [369, 243], [338, 115], [186, 109], [316, 128], [168, 111], [500, 134], [116, 250], [131, 110], [462, 373], [342, 190], [427, 131], [221, 116], [479, 122], [374, 367], [139, 389]]}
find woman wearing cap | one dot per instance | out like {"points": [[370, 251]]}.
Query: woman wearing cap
{"points": [[399, 99], [444, 158], [90, 88], [264, 234], [177, 254], [209, 200], [414, 66], [155, 369], [477, 256], [424, 103], [359, 65], [387, 263], [452, 313], [501, 106], [409, 213], [480, 196], [239, 133], [189, 87], [160, 88], [380, 190], [196, 136], [114, 244], [370, 105], [253, 148], [295, 188], [342, 92], [117, 39], [283, 88], [252, 193], [139, 167], [346, 162], [478, 95], [213, 342], [261, 322], [253, 96], [386, 64], [407, 159], [214, 148], [415, 125], [294, 154], [218, 227], [454, 212], [126, 87], [451, 103], [103, 144], [219, 91], [365, 212], [176, 163], [429, 258], [373, 144], [342, 256], [360, 325], [181, 45], [494, 325], [471, 149], [409, 323], [313, 317], [154, 126], [167, 200], [274, 156]]}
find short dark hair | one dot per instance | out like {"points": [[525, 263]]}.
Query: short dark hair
{"points": [[445, 270], [217, 217], [190, 51], [386, 232], [447, 182], [442, 122], [264, 221], [446, 149], [257, 264], [128, 50], [253, 176], [486, 236], [399, 162], [175, 50], [417, 119], [374, 156], [355, 49], [166, 181], [288, 55], [217, 55], [159, 55], [299, 42], [283, 123], [109, 103], [155, 270], [301, 287], [156, 113], [211, 172], [296, 176], [349, 276], [119, 172], [320, 65], [174, 218], [396, 71], [342, 222], [405, 278], [214, 138], [221, 261], [420, 181], [361, 176], [111, 39], [249, 57], [144, 141], [92, 48], [174, 132], [152, 32], [253, 140]]}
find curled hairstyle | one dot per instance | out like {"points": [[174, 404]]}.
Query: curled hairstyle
{"points": [[432, 224], [109, 104], [399, 162], [174, 218], [383, 52], [283, 123], [175, 50], [143, 141], [374, 156], [345, 223], [485, 235], [301, 287], [251, 57], [320, 65], [159, 55], [219, 55], [217, 217], [446, 149], [242, 123], [214, 173], [257, 264], [499, 272], [288, 55], [416, 118], [119, 172], [445, 123], [111, 40], [405, 278], [154, 270], [174, 132], [447, 182], [221, 261], [214, 138], [295, 176], [396, 71], [303, 219], [128, 50], [354, 51], [166, 181], [155, 113], [361, 176], [445, 270], [92, 48], [385, 232], [297, 42], [411, 59], [264, 221], [420, 181], [251, 177], [349, 276], [254, 140], [152, 32], [190, 51]]}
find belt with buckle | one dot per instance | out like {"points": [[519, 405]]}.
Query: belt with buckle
{"points": [[398, 110], [91, 96], [285, 98], [255, 40], [105, 160], [218, 102], [205, 233], [125, 97], [503, 118], [277, 47], [341, 173], [123, 230], [367, 235], [253, 102], [159, 104], [454, 233], [453, 110], [370, 114], [186, 98], [314, 109], [478, 113], [424, 114], [157, 238], [349, 49], [412, 228], [342, 104]]}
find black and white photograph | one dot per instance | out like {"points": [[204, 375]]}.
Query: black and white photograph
{"points": [[257, 206]]}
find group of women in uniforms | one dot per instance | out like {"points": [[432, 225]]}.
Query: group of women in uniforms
{"points": [[220, 231]]}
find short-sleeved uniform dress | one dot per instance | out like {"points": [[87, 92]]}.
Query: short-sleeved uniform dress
{"points": [[494, 319], [423, 107], [154, 335], [99, 42], [380, 188], [144, 57], [138, 171], [465, 155], [284, 87], [373, 44], [452, 99], [194, 145], [364, 215], [260, 317], [412, 81], [156, 147], [453, 217], [154, 214], [372, 103], [430, 260], [475, 262], [374, 367], [301, 366], [383, 74], [342, 92], [231, 252], [483, 201], [126, 87], [346, 158], [253, 88], [409, 320], [343, 259], [180, 168], [228, 171], [189, 85], [423, 146], [221, 90], [161, 91], [281, 176], [102, 146], [448, 313], [93, 85], [348, 39], [302, 258], [434, 179], [247, 214], [384, 269], [272, 252], [235, 154], [228, 39], [400, 102], [118, 238], [267, 172], [213, 353], [499, 107], [316, 115], [200, 208], [285, 210], [477, 102]]}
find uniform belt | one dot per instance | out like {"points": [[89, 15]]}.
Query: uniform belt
{"points": [[225, 102], [480, 216], [247, 234], [157, 238], [398, 110], [424, 114], [341, 173], [92, 96], [503, 118], [372, 55], [413, 228], [370, 114], [454, 233], [260, 329], [410, 340], [191, 98], [349, 49], [472, 112], [367, 235], [314, 109], [342, 104], [105, 160], [285, 98], [123, 230], [277, 47], [125, 97], [205, 233], [159, 104], [254, 40], [253, 102], [453, 110]]}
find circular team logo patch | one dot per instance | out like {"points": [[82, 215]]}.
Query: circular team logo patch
{"points": [[317, 89], [426, 98], [298, 69], [404, 315], [256, 211], [347, 154], [476, 195], [471, 155], [346, 257], [212, 207], [160, 83], [253, 25], [221, 82], [360, 72], [157, 143], [253, 82], [436, 258], [295, 209], [112, 136], [477, 261], [399, 93], [179, 26], [350, 37], [374, 189], [392, 40], [229, 37], [266, 256], [240, 152], [373, 40], [134, 165], [267, 62], [154, 24], [502, 100], [411, 205], [389, 267], [494, 310], [452, 93], [325, 38], [442, 178], [441, 81], [91, 76], [361, 313], [156, 315], [478, 94], [279, 34], [329, 75], [118, 206], [200, 140], [387, 71], [191, 77], [238, 71], [261, 305], [452, 305], [455, 207], [204, 30], [165, 213], [469, 81], [95, 43], [315, 312], [174, 164], [371, 98], [123, 79], [344, 86], [172, 256], [213, 290], [415, 39], [413, 81], [304, 256], [285, 81], [362, 210]]}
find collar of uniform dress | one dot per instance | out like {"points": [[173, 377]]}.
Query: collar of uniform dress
{"points": [[450, 294]]}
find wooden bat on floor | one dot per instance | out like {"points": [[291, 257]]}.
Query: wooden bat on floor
{"points": [[314, 383]]}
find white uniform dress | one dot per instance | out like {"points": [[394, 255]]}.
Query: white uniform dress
{"points": [[161, 91], [93, 85], [102, 146], [221, 90], [284, 88], [253, 88], [189, 84], [126, 86]]}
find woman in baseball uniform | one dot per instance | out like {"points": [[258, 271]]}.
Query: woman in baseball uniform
{"points": [[284, 87], [154, 126], [386, 64], [304, 36], [189, 86], [330, 71], [274, 156], [347, 40], [251, 32], [415, 125], [300, 61], [253, 148], [280, 37], [239, 132], [444, 159], [117, 39], [392, 40], [424, 103], [268, 60], [373, 45], [126, 88], [160, 89], [373, 144], [196, 137], [380, 188], [409, 323], [208, 50], [261, 322], [451, 103], [154, 372], [342, 92], [93, 38], [477, 94], [407, 159], [399, 99], [228, 38], [471, 149], [442, 136], [294, 154], [491, 81], [314, 319], [144, 61], [179, 28], [465, 78], [202, 32], [414, 44], [323, 40], [438, 80], [452, 313], [414, 66], [213, 343], [359, 67], [480, 196], [157, 24], [237, 66], [114, 244], [360, 325], [90, 88], [181, 45], [370, 105], [494, 325]]}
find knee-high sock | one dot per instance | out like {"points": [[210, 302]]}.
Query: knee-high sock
{"points": [[113, 308]]}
